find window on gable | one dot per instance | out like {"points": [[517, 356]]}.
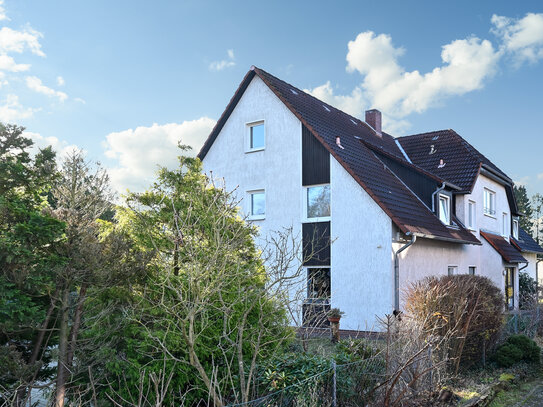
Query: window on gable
{"points": [[445, 209], [452, 270], [489, 202], [472, 270], [505, 225], [317, 203], [515, 228], [257, 201], [318, 284], [471, 215], [257, 136]]}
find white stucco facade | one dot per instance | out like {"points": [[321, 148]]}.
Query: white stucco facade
{"points": [[362, 275]]}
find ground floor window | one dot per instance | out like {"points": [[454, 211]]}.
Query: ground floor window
{"points": [[472, 270], [318, 284], [510, 288], [452, 270]]}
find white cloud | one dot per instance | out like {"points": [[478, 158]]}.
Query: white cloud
{"points": [[3, 15], [540, 176], [225, 63], [62, 148], [522, 38], [11, 110], [7, 63], [34, 83], [18, 41], [60, 81], [140, 151], [389, 87], [79, 100]]}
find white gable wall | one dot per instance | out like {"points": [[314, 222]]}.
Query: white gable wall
{"points": [[362, 276]]}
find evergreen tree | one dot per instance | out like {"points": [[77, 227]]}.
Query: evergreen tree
{"points": [[524, 206]]}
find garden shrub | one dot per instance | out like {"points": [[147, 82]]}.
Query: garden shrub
{"points": [[468, 309], [527, 291], [518, 348]]}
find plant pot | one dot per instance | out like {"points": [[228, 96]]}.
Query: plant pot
{"points": [[334, 319]]}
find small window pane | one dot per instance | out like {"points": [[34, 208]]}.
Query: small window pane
{"points": [[489, 202], [444, 209], [257, 136], [471, 215], [318, 201], [451, 270], [258, 204], [510, 288], [515, 229], [472, 271]]}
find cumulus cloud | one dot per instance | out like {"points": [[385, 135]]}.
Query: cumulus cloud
{"points": [[521, 38], [225, 63], [540, 176], [61, 147], [3, 16], [60, 81], [140, 151], [18, 41], [8, 64], [34, 83], [11, 110]]}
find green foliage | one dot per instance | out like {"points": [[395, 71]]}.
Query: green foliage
{"points": [[525, 206], [517, 348], [527, 291], [467, 308]]}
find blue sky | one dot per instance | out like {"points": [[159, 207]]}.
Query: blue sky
{"points": [[125, 80]]}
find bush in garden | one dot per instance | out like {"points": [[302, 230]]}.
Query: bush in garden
{"points": [[468, 309], [518, 348], [527, 291]]}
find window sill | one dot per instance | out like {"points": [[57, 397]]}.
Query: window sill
{"points": [[257, 217], [490, 216], [312, 220], [254, 150]]}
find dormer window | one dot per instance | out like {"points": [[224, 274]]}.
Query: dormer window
{"points": [[515, 228], [256, 136], [445, 209], [489, 202]]}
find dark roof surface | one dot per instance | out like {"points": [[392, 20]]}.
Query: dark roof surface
{"points": [[358, 139], [462, 161], [525, 242], [509, 253]]}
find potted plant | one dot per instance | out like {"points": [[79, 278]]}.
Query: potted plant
{"points": [[334, 315]]}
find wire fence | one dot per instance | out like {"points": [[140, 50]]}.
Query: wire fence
{"points": [[349, 384]]}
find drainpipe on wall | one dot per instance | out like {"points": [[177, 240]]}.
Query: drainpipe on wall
{"points": [[397, 268], [537, 278], [437, 191]]}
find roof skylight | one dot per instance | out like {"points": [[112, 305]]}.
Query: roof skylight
{"points": [[355, 123], [294, 92], [326, 108]]}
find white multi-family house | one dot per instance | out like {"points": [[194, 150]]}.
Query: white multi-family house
{"points": [[375, 212]]}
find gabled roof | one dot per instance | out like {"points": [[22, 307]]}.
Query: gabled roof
{"points": [[525, 242], [508, 252], [462, 162], [326, 123]]}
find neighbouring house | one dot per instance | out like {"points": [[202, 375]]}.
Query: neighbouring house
{"points": [[374, 212]]}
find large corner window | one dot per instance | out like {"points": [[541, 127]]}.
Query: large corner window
{"points": [[515, 228], [317, 202], [489, 202], [318, 285], [257, 204], [256, 136], [472, 213], [510, 288], [445, 209]]}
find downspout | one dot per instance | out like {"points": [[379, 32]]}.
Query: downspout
{"points": [[397, 270], [537, 278], [437, 191]]}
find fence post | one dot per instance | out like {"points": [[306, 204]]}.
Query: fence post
{"points": [[334, 388]]}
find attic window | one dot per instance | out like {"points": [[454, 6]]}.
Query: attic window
{"points": [[445, 209], [294, 92], [515, 228], [326, 108]]}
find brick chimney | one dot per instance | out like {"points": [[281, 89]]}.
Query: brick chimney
{"points": [[373, 118]]}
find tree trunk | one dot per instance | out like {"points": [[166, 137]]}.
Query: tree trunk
{"points": [[62, 370], [77, 323]]}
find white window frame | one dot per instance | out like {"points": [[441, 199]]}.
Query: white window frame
{"points": [[489, 210], [472, 215], [474, 270], [447, 198], [452, 270], [248, 127], [505, 224], [515, 228], [304, 200], [250, 204]]}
